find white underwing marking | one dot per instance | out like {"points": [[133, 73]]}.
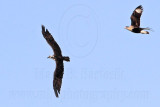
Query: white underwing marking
{"points": [[143, 32], [139, 10]]}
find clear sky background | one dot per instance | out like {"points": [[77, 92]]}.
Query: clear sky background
{"points": [[110, 66]]}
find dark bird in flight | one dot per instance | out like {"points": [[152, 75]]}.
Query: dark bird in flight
{"points": [[58, 73], [135, 22]]}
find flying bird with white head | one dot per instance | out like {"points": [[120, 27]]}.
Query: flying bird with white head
{"points": [[59, 71], [135, 22]]}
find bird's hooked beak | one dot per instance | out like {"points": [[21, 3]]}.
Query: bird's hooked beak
{"points": [[49, 57], [125, 27]]}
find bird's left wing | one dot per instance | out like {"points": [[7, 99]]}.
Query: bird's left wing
{"points": [[136, 15], [58, 75]]}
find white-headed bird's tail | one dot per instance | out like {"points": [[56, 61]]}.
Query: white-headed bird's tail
{"points": [[66, 58]]}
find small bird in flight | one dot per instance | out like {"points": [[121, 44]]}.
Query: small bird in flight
{"points": [[58, 73], [135, 22]]}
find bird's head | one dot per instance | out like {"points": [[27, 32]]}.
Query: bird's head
{"points": [[130, 28], [51, 57]]}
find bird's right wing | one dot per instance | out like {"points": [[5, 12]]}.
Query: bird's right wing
{"points": [[50, 40], [136, 15]]}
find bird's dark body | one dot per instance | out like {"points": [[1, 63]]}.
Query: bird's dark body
{"points": [[136, 30], [59, 71]]}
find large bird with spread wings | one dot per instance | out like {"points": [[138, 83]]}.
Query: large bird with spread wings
{"points": [[135, 22], [58, 73]]}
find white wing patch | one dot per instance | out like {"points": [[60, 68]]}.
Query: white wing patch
{"points": [[139, 10], [144, 32]]}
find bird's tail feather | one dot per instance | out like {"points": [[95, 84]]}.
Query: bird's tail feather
{"points": [[66, 58], [147, 28]]}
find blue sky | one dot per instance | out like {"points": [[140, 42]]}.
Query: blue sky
{"points": [[110, 66]]}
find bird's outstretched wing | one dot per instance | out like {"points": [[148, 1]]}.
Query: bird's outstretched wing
{"points": [[136, 15], [58, 73], [51, 42]]}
